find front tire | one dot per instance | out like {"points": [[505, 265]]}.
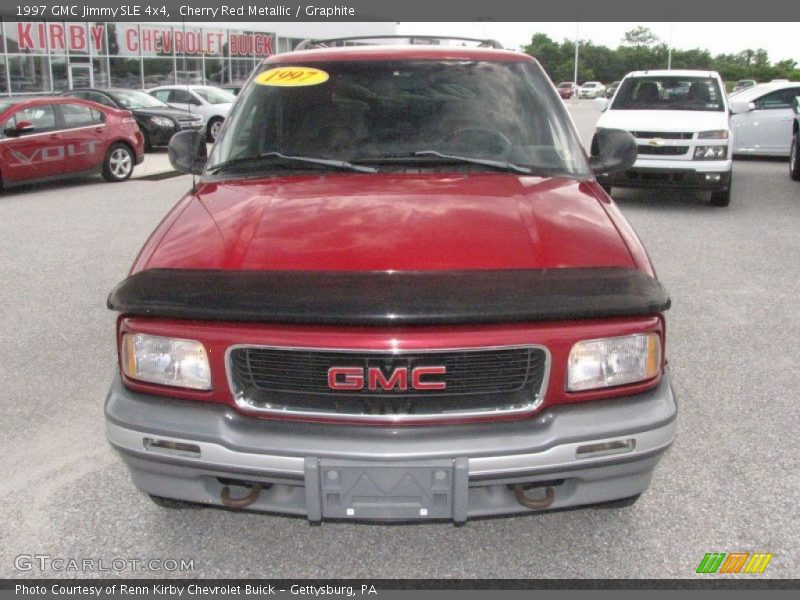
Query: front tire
{"points": [[214, 127], [794, 158], [118, 163], [722, 198]]}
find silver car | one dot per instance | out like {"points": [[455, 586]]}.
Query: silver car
{"points": [[762, 119], [211, 103]]}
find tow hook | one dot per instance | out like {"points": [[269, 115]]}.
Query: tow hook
{"points": [[225, 496], [520, 495]]}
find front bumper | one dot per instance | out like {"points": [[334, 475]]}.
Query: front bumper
{"points": [[714, 176], [385, 473]]}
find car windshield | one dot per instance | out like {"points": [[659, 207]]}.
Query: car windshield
{"points": [[399, 115], [214, 95], [669, 93], [133, 99]]}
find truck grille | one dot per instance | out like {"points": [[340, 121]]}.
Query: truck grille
{"points": [[664, 150], [664, 135], [294, 381]]}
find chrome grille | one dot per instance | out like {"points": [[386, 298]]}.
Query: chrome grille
{"points": [[477, 381]]}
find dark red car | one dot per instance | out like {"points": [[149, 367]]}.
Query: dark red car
{"points": [[566, 89], [49, 138], [396, 292]]}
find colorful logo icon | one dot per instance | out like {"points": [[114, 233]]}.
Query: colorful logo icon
{"points": [[734, 562]]}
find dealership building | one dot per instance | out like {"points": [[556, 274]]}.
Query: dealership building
{"points": [[45, 57]]}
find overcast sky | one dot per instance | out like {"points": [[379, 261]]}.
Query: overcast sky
{"points": [[778, 39]]}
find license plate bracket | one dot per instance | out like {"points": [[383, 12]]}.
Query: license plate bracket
{"points": [[397, 491]]}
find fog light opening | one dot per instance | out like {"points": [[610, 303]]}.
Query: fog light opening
{"points": [[171, 447], [605, 448], [713, 177]]}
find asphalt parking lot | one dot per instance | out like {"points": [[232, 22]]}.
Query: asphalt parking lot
{"points": [[730, 483]]}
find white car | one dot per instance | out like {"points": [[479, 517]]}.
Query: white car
{"points": [[591, 89], [680, 122], [211, 103], [763, 117]]}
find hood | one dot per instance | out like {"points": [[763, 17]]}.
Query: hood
{"points": [[663, 120], [388, 222]]}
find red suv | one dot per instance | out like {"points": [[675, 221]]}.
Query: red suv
{"points": [[396, 293], [50, 138]]}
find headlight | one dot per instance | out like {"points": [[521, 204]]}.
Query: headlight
{"points": [[161, 121], [710, 152], [714, 134], [607, 362], [166, 361]]}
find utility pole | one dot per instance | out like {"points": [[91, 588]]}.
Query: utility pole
{"points": [[669, 54], [577, 49]]}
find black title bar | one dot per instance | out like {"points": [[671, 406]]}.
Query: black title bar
{"points": [[407, 10]]}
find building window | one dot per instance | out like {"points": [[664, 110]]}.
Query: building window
{"points": [[101, 75], [190, 70], [58, 66], [158, 71], [125, 72], [241, 69], [29, 74]]}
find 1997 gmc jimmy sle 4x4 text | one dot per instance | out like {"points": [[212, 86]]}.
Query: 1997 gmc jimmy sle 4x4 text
{"points": [[396, 292]]}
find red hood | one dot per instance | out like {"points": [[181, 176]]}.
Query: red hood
{"points": [[400, 222]]}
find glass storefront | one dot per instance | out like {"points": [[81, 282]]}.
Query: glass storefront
{"points": [[50, 56]]}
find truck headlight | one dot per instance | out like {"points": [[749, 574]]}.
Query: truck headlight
{"points": [[166, 361], [714, 134], [607, 362], [710, 152]]}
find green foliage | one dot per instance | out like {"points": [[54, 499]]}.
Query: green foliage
{"points": [[641, 50]]}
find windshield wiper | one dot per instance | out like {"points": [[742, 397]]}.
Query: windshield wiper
{"points": [[496, 164], [486, 162], [327, 162]]}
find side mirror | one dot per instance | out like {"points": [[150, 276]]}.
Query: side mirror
{"points": [[612, 150], [741, 106], [187, 152], [22, 128], [601, 104]]}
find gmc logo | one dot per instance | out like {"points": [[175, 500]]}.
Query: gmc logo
{"points": [[353, 379]]}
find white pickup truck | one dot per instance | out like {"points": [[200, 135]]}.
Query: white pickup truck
{"points": [[680, 120]]}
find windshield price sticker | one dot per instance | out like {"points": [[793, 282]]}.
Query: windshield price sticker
{"points": [[292, 77]]}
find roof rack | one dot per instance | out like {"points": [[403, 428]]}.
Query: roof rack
{"points": [[327, 43]]}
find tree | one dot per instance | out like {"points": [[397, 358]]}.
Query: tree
{"points": [[546, 51], [640, 36]]}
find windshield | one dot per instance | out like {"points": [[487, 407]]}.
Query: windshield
{"points": [[214, 95], [136, 99], [669, 93], [391, 114]]}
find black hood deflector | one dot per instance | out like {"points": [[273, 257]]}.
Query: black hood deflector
{"points": [[381, 298]]}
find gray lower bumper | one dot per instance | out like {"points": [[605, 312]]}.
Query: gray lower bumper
{"points": [[386, 473]]}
